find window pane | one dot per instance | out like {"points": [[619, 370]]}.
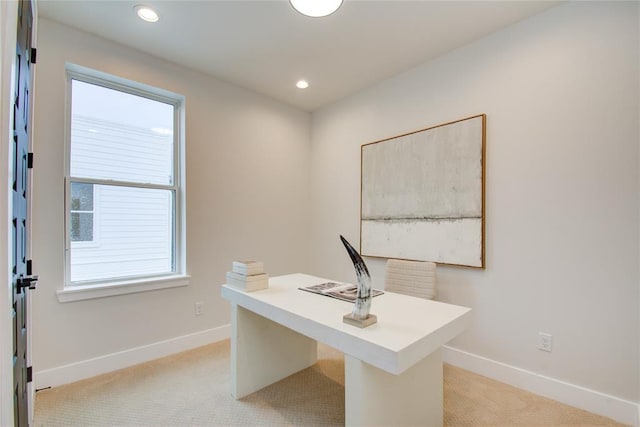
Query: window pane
{"points": [[120, 136], [134, 230], [81, 196], [81, 227]]}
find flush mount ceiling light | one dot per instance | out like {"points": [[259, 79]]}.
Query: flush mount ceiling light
{"points": [[146, 13], [316, 8], [302, 84]]}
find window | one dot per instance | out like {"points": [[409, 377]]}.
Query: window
{"points": [[82, 216], [124, 198]]}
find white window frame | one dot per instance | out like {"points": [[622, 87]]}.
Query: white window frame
{"points": [[73, 291]]}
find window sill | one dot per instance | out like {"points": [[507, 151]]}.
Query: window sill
{"points": [[77, 293]]}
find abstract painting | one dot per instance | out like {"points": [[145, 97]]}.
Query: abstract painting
{"points": [[422, 195]]}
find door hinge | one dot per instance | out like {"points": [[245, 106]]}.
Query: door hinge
{"points": [[29, 374], [29, 267], [30, 161], [33, 55]]}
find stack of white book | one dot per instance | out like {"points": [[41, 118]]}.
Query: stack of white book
{"points": [[248, 276]]}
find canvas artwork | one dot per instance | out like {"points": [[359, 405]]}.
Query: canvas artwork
{"points": [[423, 195]]}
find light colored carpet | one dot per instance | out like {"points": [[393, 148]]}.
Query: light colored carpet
{"points": [[192, 389]]}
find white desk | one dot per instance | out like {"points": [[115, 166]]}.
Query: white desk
{"points": [[393, 369]]}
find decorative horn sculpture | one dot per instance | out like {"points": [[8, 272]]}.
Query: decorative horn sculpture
{"points": [[360, 316]]}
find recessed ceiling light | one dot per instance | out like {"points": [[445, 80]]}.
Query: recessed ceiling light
{"points": [[146, 13], [316, 8], [302, 84]]}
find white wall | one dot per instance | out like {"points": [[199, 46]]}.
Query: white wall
{"points": [[560, 91], [247, 189]]}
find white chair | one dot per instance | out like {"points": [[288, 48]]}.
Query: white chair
{"points": [[415, 278]]}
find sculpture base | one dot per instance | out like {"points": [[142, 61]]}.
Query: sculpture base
{"points": [[370, 320]]}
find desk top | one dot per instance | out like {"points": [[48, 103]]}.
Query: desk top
{"points": [[408, 328]]}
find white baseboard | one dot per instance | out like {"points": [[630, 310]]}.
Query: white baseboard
{"points": [[100, 365], [593, 401]]}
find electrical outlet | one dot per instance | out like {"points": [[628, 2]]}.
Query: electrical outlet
{"points": [[199, 308], [545, 341]]}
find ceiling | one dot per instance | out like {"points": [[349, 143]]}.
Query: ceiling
{"points": [[267, 47]]}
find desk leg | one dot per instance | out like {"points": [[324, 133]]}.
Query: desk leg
{"points": [[264, 352], [375, 397]]}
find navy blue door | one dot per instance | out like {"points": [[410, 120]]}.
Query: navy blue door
{"points": [[22, 281]]}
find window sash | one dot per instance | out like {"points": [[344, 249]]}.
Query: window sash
{"points": [[176, 189], [173, 187], [174, 231]]}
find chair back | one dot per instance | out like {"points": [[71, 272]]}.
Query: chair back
{"points": [[415, 278]]}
